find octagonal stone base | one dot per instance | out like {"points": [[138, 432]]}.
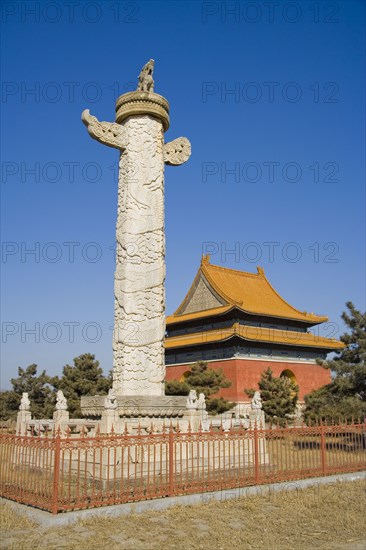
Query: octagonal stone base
{"points": [[145, 413], [136, 406]]}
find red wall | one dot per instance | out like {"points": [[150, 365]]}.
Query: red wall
{"points": [[245, 373]]}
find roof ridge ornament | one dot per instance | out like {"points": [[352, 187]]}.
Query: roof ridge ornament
{"points": [[205, 259], [260, 270]]}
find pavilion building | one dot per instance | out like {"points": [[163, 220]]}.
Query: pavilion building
{"points": [[237, 321]]}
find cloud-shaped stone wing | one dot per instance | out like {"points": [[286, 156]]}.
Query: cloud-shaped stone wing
{"points": [[177, 151], [108, 133]]}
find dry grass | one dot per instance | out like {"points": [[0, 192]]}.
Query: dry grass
{"points": [[305, 453], [320, 517], [9, 520]]}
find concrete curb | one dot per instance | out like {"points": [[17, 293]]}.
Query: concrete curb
{"points": [[45, 519]]}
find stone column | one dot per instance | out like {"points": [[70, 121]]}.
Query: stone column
{"points": [[142, 117], [139, 326]]}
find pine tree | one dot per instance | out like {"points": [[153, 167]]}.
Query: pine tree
{"points": [[204, 380], [85, 377], [175, 387], [40, 393], [279, 397], [9, 405], [345, 396]]}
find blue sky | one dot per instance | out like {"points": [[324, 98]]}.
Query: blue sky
{"points": [[271, 98]]}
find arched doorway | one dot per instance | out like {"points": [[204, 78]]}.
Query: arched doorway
{"points": [[184, 376], [287, 373]]}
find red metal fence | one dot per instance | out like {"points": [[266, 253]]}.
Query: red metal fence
{"points": [[59, 473]]}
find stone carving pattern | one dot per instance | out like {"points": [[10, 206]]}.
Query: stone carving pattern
{"points": [[139, 366], [24, 402], [108, 133], [110, 401], [139, 327], [194, 402], [61, 402], [177, 151], [130, 406], [201, 402], [146, 81], [256, 403]]}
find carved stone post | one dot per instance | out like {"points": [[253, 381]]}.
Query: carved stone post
{"points": [[61, 414], [142, 117], [258, 424], [110, 416], [24, 415]]}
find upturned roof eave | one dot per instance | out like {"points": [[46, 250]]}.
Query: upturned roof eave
{"points": [[310, 319], [203, 271], [185, 318], [235, 331]]}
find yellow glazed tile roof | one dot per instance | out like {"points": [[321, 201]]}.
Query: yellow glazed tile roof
{"points": [[250, 292], [254, 334], [175, 318]]}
